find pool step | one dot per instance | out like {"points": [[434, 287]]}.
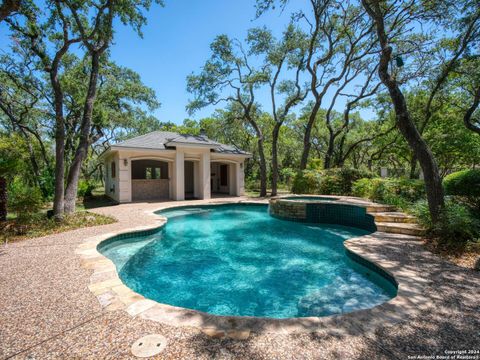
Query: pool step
{"points": [[393, 217], [400, 228]]}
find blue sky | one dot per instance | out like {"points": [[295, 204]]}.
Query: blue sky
{"points": [[176, 42]]}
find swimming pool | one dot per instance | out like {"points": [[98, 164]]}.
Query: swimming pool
{"points": [[238, 260]]}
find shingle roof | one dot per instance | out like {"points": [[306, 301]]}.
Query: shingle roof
{"points": [[161, 140]]}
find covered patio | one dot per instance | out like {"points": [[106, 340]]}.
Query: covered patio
{"points": [[164, 165]]}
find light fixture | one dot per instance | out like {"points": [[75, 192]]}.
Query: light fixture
{"points": [[125, 162]]}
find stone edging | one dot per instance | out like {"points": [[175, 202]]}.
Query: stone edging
{"points": [[113, 295]]}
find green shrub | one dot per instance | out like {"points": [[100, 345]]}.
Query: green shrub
{"points": [[315, 164], [252, 184], [364, 187], [465, 185], [327, 182], [287, 175], [24, 200], [307, 182], [85, 188], [347, 177], [457, 224], [397, 192], [331, 184], [47, 183]]}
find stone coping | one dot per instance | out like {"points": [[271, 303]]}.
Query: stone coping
{"points": [[332, 199], [113, 295]]}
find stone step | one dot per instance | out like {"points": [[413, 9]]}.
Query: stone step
{"points": [[395, 217], [379, 208], [400, 228]]}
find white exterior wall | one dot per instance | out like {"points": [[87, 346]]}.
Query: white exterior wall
{"points": [[124, 178], [111, 184]]}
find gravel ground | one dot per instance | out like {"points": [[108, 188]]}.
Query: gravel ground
{"points": [[47, 311]]}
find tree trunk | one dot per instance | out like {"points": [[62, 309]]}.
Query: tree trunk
{"points": [[308, 132], [3, 199], [58, 198], [433, 181], [8, 7], [340, 159], [275, 174], [329, 154], [405, 124], [413, 167], [468, 119], [263, 168], [84, 142]]}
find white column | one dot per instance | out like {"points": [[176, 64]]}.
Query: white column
{"points": [[204, 176], [171, 181], [240, 179], [179, 178]]}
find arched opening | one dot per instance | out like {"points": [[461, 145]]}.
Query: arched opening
{"points": [[150, 180]]}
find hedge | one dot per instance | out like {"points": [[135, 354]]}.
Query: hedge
{"points": [[465, 185], [327, 182], [398, 192]]}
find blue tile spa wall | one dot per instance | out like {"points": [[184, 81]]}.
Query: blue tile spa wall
{"points": [[342, 214]]}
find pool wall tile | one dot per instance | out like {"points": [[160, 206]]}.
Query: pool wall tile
{"points": [[371, 266]]}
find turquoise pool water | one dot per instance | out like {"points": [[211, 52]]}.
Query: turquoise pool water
{"points": [[238, 260]]}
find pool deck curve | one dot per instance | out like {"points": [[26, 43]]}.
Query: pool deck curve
{"points": [[84, 304]]}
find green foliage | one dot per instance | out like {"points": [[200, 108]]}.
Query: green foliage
{"points": [[10, 156], [397, 192], [457, 224], [85, 188], [307, 182], [327, 182], [46, 182], [364, 188], [463, 183], [315, 164], [23, 199], [465, 186], [287, 175]]}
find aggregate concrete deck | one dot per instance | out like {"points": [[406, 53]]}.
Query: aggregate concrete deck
{"points": [[48, 311]]}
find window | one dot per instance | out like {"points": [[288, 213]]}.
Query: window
{"points": [[223, 175], [113, 169], [149, 169], [148, 173], [152, 173]]}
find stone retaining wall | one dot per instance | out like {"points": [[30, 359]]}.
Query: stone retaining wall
{"points": [[291, 210]]}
